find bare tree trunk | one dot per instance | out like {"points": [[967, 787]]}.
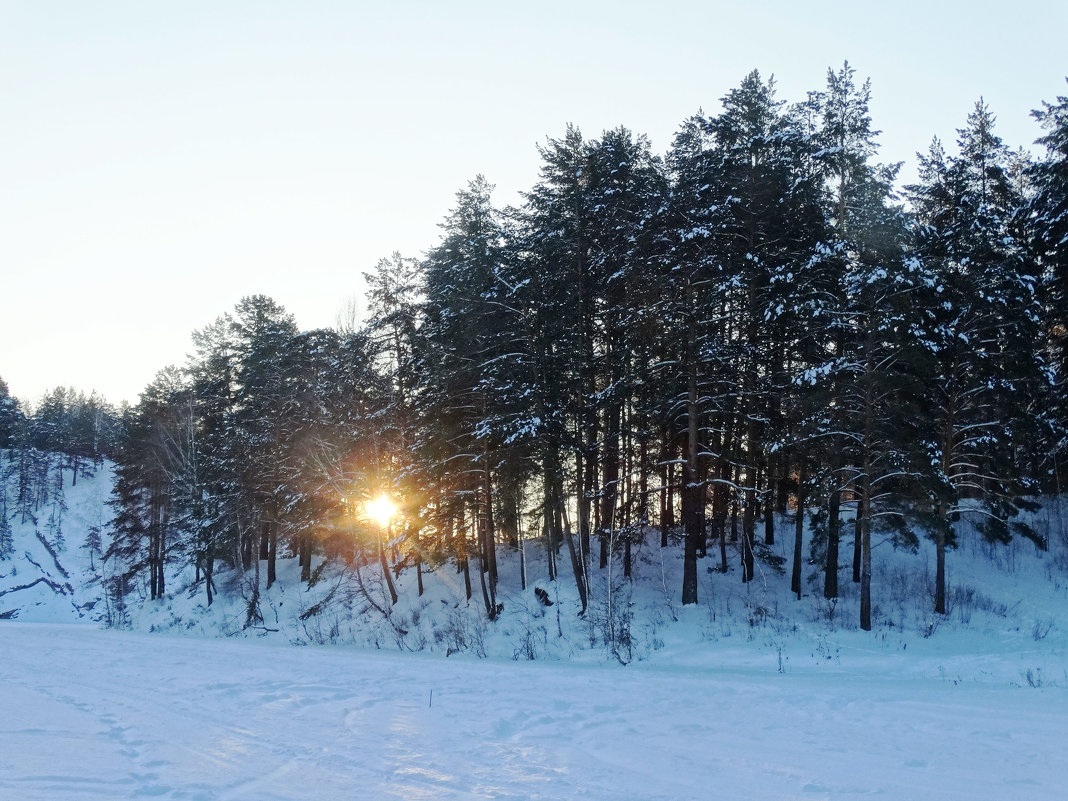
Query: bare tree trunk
{"points": [[305, 557], [489, 535], [749, 512], [667, 500], [864, 516], [548, 514], [265, 540], [418, 564], [465, 567], [488, 598], [578, 567], [721, 496], [582, 501], [522, 558], [272, 554], [246, 537], [940, 560], [830, 573], [692, 497], [799, 527], [165, 522], [209, 571], [385, 567], [769, 503], [857, 544]]}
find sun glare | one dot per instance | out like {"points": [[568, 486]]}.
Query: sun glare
{"points": [[382, 510]]}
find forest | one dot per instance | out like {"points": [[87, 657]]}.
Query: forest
{"points": [[755, 336]]}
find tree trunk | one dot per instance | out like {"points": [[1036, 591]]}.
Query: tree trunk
{"points": [[749, 512], [465, 568], [489, 535], [736, 478], [548, 513], [799, 528], [209, 571], [830, 572], [385, 567], [857, 545], [721, 498], [667, 502], [578, 567], [272, 554], [692, 497], [609, 482], [165, 522], [940, 562], [769, 503], [864, 517], [582, 501], [488, 596], [265, 539], [305, 557], [418, 564], [748, 566], [246, 549], [522, 558]]}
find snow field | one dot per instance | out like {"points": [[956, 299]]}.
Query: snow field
{"points": [[108, 715]]}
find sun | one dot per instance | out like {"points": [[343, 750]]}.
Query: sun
{"points": [[381, 509]]}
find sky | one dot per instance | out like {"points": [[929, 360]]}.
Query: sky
{"points": [[159, 161]]}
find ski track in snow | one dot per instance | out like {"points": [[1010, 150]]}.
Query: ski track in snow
{"points": [[88, 714]]}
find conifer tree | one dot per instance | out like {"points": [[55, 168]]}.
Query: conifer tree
{"points": [[1047, 221], [982, 323]]}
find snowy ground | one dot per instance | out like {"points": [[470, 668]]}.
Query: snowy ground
{"points": [[89, 714]]}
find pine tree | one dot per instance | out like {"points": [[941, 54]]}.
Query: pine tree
{"points": [[466, 345], [394, 289], [1047, 222], [982, 324], [11, 418], [262, 330], [555, 296], [7, 541], [214, 499]]}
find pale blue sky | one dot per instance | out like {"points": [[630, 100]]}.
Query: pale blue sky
{"points": [[160, 160]]}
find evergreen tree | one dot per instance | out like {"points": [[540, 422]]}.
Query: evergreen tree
{"points": [[465, 345], [214, 499], [145, 530], [393, 292], [262, 330], [11, 417], [1047, 220], [7, 541], [982, 315]]}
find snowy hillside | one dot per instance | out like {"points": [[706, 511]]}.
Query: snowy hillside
{"points": [[1007, 621], [51, 575]]}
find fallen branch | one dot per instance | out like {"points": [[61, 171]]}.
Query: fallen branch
{"points": [[56, 587]]}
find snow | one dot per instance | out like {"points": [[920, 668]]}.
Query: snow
{"points": [[100, 714], [65, 585], [751, 693]]}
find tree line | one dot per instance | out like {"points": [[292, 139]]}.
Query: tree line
{"points": [[648, 352]]}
